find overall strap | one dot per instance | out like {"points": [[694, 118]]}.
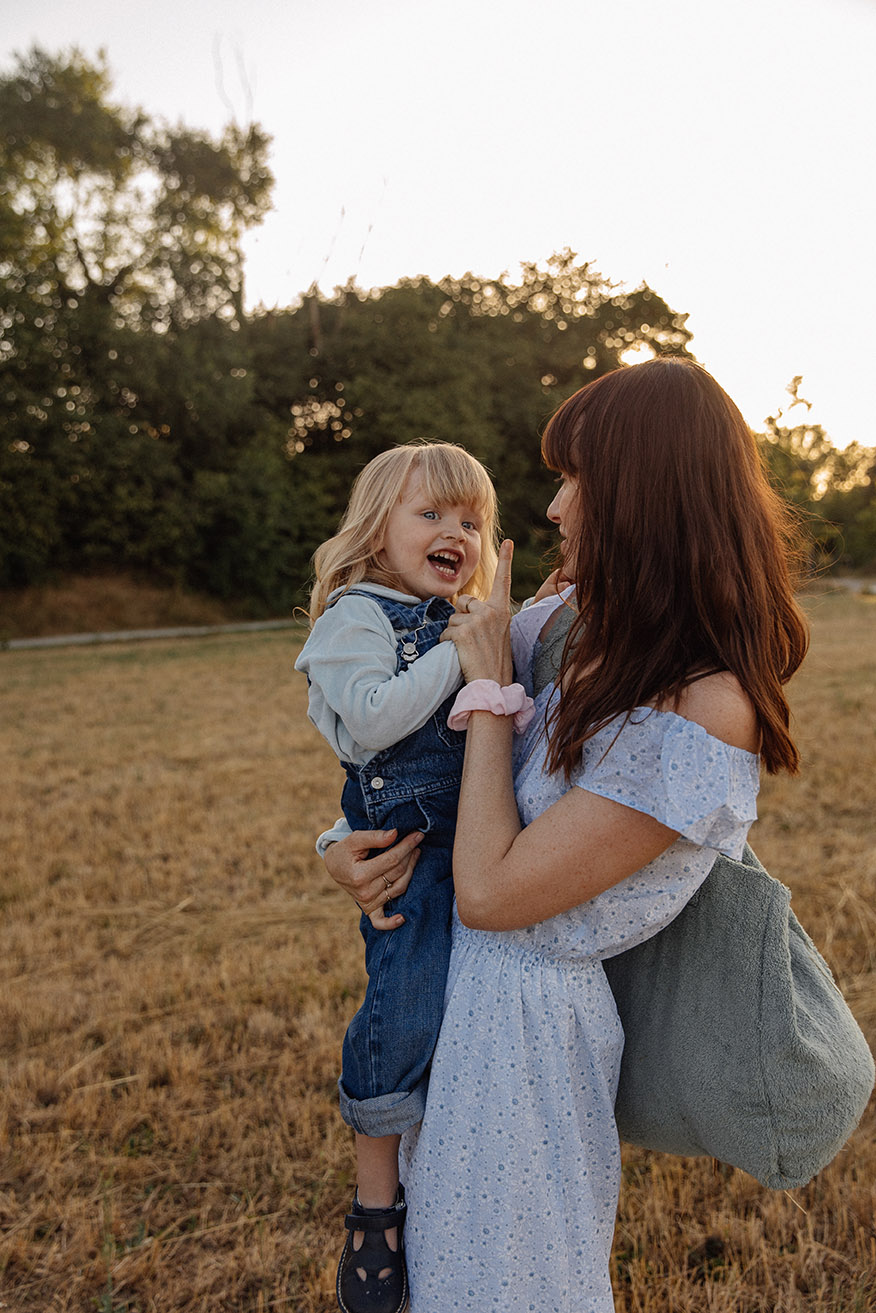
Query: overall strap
{"points": [[417, 627], [404, 616]]}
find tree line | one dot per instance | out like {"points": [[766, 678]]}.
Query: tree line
{"points": [[149, 423]]}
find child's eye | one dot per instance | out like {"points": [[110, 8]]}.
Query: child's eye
{"points": [[430, 515], [470, 524]]}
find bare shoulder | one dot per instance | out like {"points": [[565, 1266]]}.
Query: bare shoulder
{"points": [[723, 708]]}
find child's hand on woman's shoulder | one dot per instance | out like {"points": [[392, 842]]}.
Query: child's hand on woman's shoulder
{"points": [[554, 584]]}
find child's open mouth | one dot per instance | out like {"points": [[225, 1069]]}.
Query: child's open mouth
{"points": [[446, 563]]}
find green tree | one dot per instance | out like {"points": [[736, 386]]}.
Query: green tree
{"points": [[148, 422], [118, 236], [254, 524], [100, 203], [835, 489]]}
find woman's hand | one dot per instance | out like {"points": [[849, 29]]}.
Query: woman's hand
{"points": [[373, 881], [480, 630]]}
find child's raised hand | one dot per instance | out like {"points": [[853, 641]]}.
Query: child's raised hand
{"points": [[480, 628]]}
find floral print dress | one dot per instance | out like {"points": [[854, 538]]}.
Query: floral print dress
{"points": [[512, 1178]]}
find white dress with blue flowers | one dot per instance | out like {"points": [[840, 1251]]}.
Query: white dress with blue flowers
{"points": [[512, 1178]]}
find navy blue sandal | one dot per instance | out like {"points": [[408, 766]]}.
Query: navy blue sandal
{"points": [[374, 1294]]}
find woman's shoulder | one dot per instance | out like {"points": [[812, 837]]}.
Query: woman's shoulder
{"points": [[719, 703], [692, 764]]}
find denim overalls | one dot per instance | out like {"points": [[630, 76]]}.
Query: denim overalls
{"points": [[413, 785]]}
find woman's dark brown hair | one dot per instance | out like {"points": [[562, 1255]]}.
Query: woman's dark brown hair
{"points": [[685, 557]]}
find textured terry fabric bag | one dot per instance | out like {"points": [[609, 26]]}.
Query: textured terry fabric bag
{"points": [[738, 1044]]}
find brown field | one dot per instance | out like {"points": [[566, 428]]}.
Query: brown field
{"points": [[81, 604], [178, 970]]}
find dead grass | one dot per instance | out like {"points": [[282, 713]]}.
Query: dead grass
{"points": [[177, 974], [105, 603]]}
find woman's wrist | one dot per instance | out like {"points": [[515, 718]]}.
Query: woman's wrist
{"points": [[489, 695]]}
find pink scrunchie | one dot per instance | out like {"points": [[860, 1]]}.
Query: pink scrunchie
{"points": [[486, 695]]}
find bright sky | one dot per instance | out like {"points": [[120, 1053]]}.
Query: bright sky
{"points": [[721, 150]]}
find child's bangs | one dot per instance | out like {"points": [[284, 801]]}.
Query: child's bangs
{"points": [[452, 477]]}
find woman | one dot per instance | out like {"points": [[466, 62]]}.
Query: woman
{"points": [[641, 764]]}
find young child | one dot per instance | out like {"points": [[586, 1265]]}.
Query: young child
{"points": [[420, 528]]}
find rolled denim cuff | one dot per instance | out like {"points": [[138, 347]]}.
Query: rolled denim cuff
{"points": [[385, 1114]]}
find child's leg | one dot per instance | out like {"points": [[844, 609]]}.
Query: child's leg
{"points": [[387, 1051], [377, 1162], [371, 1275], [389, 1042], [377, 1182]]}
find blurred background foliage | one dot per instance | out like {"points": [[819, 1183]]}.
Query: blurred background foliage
{"points": [[149, 424]]}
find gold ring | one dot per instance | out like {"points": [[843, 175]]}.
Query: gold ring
{"points": [[388, 884]]}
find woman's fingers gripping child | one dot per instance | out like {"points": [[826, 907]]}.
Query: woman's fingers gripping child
{"points": [[373, 880], [480, 630]]}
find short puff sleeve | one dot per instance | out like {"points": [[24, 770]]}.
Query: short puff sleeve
{"points": [[672, 769]]}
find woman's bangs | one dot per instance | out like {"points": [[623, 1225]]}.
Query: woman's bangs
{"points": [[558, 441]]}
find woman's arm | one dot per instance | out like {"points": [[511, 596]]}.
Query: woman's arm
{"points": [[507, 876]]}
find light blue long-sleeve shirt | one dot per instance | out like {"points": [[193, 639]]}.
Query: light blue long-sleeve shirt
{"points": [[357, 700]]}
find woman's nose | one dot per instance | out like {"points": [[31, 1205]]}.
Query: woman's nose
{"points": [[552, 511]]}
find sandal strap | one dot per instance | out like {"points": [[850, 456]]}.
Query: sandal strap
{"points": [[376, 1219]]}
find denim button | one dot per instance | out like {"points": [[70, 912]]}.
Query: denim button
{"points": [[377, 782]]}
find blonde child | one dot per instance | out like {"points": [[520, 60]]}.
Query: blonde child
{"points": [[420, 528]]}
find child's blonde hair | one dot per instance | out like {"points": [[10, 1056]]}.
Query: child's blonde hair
{"points": [[450, 476]]}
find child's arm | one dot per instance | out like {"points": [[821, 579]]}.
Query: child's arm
{"points": [[551, 586], [356, 697], [339, 831]]}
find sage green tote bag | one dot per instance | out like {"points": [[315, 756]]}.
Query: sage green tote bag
{"points": [[739, 1045]]}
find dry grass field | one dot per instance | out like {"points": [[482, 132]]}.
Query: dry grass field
{"points": [[81, 604], [177, 972]]}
